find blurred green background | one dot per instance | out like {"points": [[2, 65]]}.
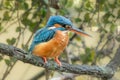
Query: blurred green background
{"points": [[19, 20]]}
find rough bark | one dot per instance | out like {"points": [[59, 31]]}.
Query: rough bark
{"points": [[104, 72]]}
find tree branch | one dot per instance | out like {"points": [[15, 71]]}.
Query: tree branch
{"points": [[115, 62], [104, 72]]}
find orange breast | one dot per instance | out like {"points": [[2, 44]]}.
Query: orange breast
{"points": [[53, 47]]}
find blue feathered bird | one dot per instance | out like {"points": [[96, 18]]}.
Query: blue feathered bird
{"points": [[51, 40]]}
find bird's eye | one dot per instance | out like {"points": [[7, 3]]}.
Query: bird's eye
{"points": [[67, 26], [64, 25]]}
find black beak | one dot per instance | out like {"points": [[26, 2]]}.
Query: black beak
{"points": [[78, 31]]}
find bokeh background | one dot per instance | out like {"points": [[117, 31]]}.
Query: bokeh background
{"points": [[19, 20]]}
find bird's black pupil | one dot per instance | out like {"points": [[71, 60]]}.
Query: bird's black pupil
{"points": [[64, 25]]}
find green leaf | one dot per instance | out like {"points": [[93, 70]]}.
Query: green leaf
{"points": [[69, 3], [18, 29], [101, 2], [25, 47], [104, 30], [88, 56], [8, 4], [78, 38], [26, 21], [118, 13], [6, 16], [1, 28], [77, 20], [78, 9], [43, 12], [25, 5], [88, 5], [118, 38], [20, 1], [11, 41], [32, 26], [21, 4], [64, 2], [106, 17], [92, 54], [12, 59], [87, 17], [64, 11], [8, 62], [112, 6], [112, 28]]}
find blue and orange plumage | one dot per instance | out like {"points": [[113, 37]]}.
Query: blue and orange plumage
{"points": [[50, 41]]}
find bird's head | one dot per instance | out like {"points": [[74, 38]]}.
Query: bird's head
{"points": [[60, 21]]}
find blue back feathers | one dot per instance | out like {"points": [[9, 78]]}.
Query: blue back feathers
{"points": [[45, 34]]}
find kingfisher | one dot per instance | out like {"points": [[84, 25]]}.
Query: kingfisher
{"points": [[50, 41]]}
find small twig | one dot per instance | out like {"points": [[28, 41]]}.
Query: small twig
{"points": [[12, 65], [6, 72], [115, 62], [35, 28], [47, 73], [18, 38], [98, 7], [39, 75]]}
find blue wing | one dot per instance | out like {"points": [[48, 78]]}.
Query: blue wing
{"points": [[42, 35]]}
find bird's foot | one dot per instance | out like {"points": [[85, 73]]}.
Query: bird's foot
{"points": [[57, 61], [45, 60]]}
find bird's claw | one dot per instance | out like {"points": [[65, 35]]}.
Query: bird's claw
{"points": [[57, 61]]}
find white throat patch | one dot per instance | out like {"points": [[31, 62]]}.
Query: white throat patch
{"points": [[52, 27]]}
